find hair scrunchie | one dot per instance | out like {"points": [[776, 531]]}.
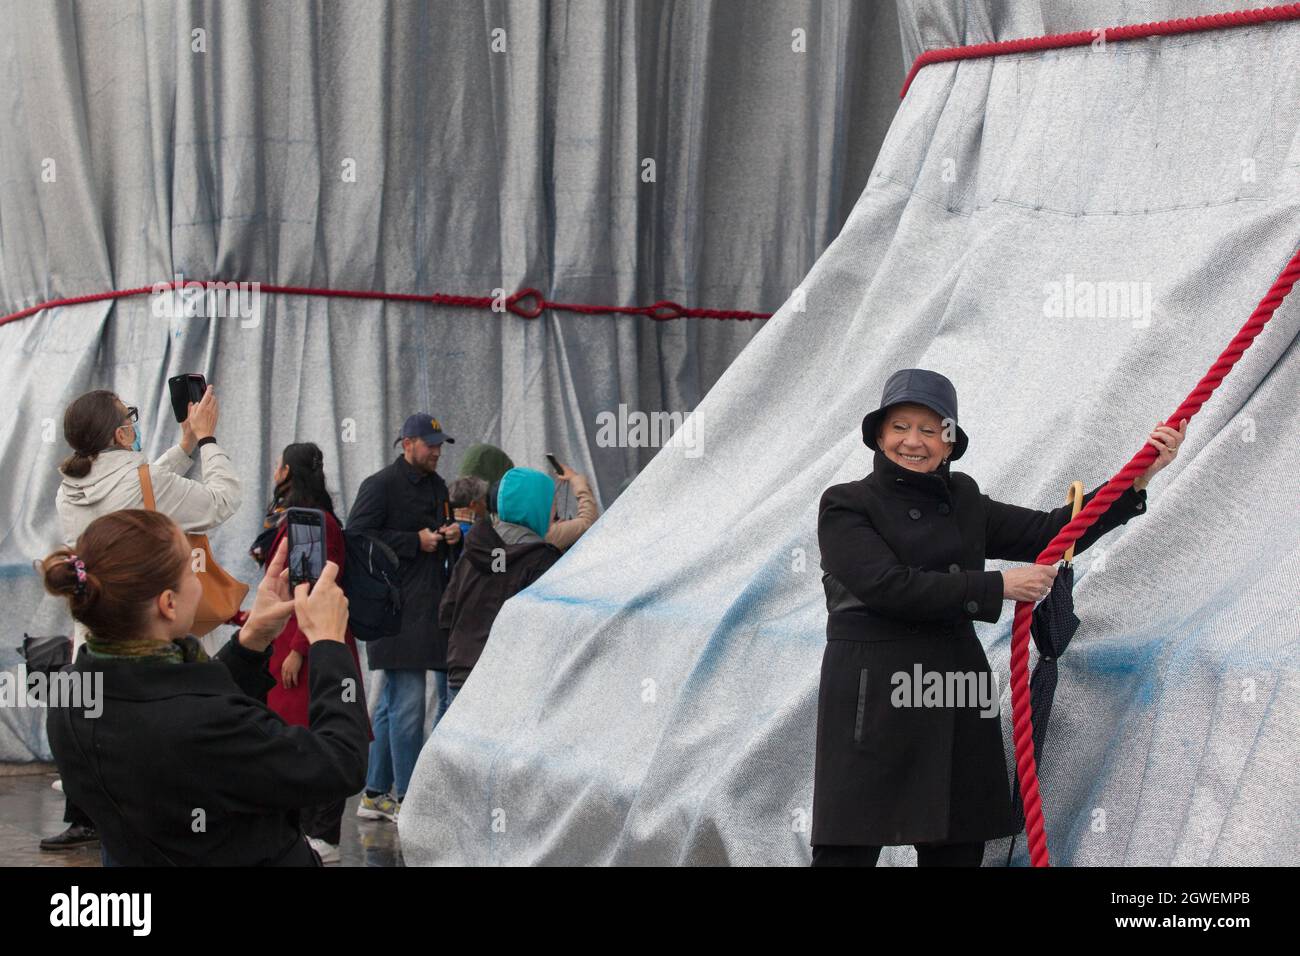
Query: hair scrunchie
{"points": [[80, 567]]}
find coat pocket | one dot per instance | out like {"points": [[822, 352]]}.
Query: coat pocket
{"points": [[860, 718]]}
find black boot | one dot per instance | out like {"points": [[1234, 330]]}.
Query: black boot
{"points": [[71, 838]]}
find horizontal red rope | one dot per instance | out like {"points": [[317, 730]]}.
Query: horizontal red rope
{"points": [[526, 303], [1057, 41], [1021, 708]]}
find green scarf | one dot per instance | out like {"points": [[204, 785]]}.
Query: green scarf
{"points": [[182, 650]]}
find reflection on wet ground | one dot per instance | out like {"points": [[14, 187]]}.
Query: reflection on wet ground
{"points": [[30, 809]]}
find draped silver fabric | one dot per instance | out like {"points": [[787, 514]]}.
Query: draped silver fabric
{"points": [[1073, 237], [617, 153]]}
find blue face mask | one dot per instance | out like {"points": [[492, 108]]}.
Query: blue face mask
{"points": [[135, 445]]}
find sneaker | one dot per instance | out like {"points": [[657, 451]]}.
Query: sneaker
{"points": [[328, 852], [57, 785], [71, 838], [382, 807]]}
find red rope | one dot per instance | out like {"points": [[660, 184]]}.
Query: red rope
{"points": [[526, 303], [1021, 709], [1216, 21]]}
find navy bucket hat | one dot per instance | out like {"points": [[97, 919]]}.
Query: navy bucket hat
{"points": [[920, 387]]}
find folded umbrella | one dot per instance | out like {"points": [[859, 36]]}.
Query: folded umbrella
{"points": [[1053, 625]]}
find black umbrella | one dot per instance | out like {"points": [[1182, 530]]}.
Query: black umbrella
{"points": [[1053, 625]]}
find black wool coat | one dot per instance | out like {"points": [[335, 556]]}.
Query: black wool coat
{"points": [[903, 557], [393, 504], [185, 765]]}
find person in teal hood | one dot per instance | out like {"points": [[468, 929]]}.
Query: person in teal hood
{"points": [[481, 583], [524, 500]]}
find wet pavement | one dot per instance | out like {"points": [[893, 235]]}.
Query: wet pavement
{"points": [[30, 809]]}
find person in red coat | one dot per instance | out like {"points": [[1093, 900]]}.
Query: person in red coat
{"points": [[300, 483]]}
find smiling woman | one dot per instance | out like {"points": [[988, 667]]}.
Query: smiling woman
{"points": [[903, 552]]}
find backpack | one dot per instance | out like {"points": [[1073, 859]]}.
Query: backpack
{"points": [[370, 581]]}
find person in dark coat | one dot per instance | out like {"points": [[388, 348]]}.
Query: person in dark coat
{"points": [[178, 760], [904, 757], [501, 558], [406, 505]]}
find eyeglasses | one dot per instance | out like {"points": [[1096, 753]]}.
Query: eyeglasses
{"points": [[132, 415]]}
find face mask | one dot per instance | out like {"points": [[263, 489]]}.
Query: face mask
{"points": [[135, 445]]}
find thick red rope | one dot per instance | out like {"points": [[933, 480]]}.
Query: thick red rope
{"points": [[1057, 41], [526, 303], [1021, 709]]}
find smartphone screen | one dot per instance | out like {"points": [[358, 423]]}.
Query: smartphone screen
{"points": [[184, 389], [306, 545], [555, 465]]}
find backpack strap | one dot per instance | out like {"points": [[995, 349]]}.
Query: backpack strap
{"points": [[146, 486]]}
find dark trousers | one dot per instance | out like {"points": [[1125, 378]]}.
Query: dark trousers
{"points": [[927, 854], [324, 822], [75, 815]]}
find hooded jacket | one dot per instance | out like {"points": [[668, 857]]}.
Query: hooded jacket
{"points": [[500, 559], [113, 484]]}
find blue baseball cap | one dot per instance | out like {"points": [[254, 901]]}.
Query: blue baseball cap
{"points": [[425, 427]]}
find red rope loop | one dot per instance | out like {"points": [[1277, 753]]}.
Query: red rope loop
{"points": [[670, 310], [525, 312]]}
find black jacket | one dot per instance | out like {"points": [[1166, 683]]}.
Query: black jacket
{"points": [[903, 554], [394, 504], [482, 581], [186, 766]]}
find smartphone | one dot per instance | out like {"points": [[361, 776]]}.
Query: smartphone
{"points": [[185, 389], [555, 465], [306, 545]]}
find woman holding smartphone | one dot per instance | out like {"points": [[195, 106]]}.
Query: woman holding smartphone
{"points": [[183, 764], [299, 482], [102, 475]]}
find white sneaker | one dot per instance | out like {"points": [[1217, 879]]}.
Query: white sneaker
{"points": [[328, 852], [57, 785], [382, 807]]}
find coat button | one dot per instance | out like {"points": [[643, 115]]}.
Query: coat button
{"points": [[914, 513], [972, 606], [954, 567], [943, 508]]}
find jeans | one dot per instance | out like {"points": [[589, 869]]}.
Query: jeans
{"points": [[398, 724], [451, 693], [927, 854], [444, 698]]}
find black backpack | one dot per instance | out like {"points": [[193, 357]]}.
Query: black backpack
{"points": [[370, 581]]}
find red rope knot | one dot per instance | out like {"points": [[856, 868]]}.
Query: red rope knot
{"points": [[526, 312], [672, 311]]}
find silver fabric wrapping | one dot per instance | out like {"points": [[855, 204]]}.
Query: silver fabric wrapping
{"points": [[651, 700]]}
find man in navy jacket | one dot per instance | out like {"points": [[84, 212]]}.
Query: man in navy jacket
{"points": [[406, 505]]}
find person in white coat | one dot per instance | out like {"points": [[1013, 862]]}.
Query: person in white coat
{"points": [[102, 475]]}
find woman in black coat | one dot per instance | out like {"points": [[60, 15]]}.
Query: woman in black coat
{"points": [[176, 758], [909, 740]]}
